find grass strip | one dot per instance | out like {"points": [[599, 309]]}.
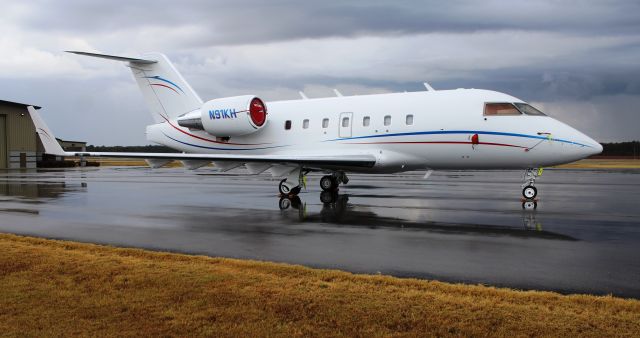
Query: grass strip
{"points": [[60, 288]]}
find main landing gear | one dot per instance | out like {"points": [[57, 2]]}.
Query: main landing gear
{"points": [[296, 180], [286, 189], [331, 182]]}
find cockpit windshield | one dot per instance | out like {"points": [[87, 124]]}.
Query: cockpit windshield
{"points": [[510, 109], [529, 110], [500, 109]]}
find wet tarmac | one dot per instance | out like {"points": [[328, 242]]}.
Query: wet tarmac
{"points": [[583, 236]]}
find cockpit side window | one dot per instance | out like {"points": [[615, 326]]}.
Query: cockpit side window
{"points": [[529, 109], [500, 109]]}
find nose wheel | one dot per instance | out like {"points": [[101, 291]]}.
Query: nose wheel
{"points": [[529, 192]]}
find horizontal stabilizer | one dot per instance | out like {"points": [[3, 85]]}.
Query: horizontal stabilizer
{"points": [[114, 57]]}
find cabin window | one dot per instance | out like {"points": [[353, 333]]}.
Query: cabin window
{"points": [[500, 109], [409, 119], [345, 121], [305, 124], [387, 120], [529, 109], [325, 123], [287, 124], [366, 121]]}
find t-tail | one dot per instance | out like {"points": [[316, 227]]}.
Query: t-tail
{"points": [[166, 92]]}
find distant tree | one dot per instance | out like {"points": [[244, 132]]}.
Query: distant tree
{"points": [[621, 149]]}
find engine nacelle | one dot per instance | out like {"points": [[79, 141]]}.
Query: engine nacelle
{"points": [[229, 116]]}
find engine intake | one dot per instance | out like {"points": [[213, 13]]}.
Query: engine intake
{"points": [[230, 116]]}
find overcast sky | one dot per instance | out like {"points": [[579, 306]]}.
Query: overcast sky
{"points": [[577, 60]]}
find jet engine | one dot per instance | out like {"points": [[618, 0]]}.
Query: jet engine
{"points": [[229, 116]]}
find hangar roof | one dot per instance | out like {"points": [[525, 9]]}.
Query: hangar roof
{"points": [[19, 104]]}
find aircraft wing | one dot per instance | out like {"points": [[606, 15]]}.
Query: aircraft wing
{"points": [[365, 161], [224, 161]]}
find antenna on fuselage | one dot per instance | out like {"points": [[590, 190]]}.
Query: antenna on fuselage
{"points": [[428, 86], [338, 94], [303, 95]]}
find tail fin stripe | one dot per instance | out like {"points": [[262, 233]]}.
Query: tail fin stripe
{"points": [[165, 80], [161, 85]]}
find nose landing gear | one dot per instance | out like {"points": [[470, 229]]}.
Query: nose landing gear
{"points": [[529, 191]]}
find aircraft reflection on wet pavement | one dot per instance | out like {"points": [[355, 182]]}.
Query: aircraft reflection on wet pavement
{"points": [[336, 209]]}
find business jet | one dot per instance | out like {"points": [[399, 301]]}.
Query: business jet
{"points": [[384, 133]]}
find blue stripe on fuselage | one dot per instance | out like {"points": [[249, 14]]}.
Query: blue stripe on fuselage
{"points": [[441, 132]]}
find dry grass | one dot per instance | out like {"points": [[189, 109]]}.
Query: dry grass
{"points": [[51, 288], [602, 163]]}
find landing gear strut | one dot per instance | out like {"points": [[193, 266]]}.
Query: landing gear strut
{"points": [[529, 191], [331, 182]]}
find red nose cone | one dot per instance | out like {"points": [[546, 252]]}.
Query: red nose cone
{"points": [[258, 112]]}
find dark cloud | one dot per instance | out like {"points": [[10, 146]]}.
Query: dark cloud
{"points": [[240, 22]]}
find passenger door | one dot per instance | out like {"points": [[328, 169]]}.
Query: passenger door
{"points": [[345, 124]]}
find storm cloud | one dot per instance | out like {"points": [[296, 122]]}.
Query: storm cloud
{"points": [[577, 60]]}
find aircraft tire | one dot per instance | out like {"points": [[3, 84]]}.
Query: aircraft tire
{"points": [[328, 183], [529, 192], [284, 190]]}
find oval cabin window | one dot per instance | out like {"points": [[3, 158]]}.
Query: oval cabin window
{"points": [[409, 119]]}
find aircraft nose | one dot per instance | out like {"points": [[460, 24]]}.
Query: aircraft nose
{"points": [[594, 148], [597, 148]]}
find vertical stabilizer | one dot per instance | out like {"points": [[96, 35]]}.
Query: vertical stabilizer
{"points": [[164, 89]]}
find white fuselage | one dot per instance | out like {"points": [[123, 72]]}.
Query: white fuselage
{"points": [[440, 135]]}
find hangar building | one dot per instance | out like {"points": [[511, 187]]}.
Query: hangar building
{"points": [[20, 146], [18, 138]]}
